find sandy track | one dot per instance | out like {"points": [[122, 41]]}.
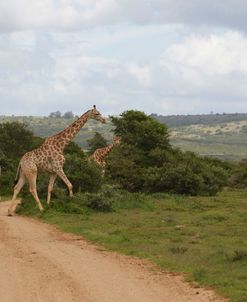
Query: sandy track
{"points": [[39, 263]]}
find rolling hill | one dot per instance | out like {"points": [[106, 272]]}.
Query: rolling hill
{"points": [[220, 135]]}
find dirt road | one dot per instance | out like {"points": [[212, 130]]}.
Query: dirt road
{"points": [[39, 263]]}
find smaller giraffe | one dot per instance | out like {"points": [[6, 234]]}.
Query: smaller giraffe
{"points": [[99, 154]]}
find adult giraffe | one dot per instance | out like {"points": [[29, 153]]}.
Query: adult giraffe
{"points": [[49, 157]]}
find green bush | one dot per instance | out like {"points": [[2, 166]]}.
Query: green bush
{"points": [[15, 140], [146, 162], [167, 170], [68, 205], [100, 201], [238, 178], [84, 175]]}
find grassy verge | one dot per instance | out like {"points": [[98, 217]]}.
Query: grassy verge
{"points": [[5, 198], [203, 237]]}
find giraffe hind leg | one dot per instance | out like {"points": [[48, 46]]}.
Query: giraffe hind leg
{"points": [[17, 189], [50, 186], [31, 177]]}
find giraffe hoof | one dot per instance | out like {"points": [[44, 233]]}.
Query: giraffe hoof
{"points": [[10, 213]]}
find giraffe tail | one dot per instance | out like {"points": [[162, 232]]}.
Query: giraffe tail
{"points": [[17, 174]]}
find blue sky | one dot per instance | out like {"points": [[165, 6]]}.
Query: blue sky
{"points": [[160, 56]]}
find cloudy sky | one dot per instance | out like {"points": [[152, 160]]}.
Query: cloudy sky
{"points": [[158, 56]]}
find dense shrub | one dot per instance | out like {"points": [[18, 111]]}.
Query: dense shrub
{"points": [[8, 170], [111, 198], [146, 162], [183, 174], [99, 201], [84, 175], [238, 177], [15, 140]]}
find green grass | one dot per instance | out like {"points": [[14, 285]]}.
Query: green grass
{"points": [[203, 237], [5, 198]]}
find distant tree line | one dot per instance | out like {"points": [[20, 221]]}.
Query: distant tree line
{"points": [[205, 119], [58, 114]]}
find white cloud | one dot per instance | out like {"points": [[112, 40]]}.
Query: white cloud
{"points": [[213, 55], [79, 14], [60, 14], [141, 73], [210, 70]]}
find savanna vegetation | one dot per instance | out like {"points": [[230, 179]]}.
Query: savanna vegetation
{"points": [[224, 141], [184, 212]]}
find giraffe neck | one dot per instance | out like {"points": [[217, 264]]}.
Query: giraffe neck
{"points": [[100, 154], [65, 136], [107, 149]]}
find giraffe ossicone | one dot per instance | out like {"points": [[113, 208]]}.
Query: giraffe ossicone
{"points": [[49, 157]]}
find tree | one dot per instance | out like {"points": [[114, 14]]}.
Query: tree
{"points": [[15, 140], [145, 160], [137, 129], [68, 114], [56, 114], [98, 141]]}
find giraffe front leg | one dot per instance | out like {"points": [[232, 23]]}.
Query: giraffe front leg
{"points": [[65, 179], [50, 186]]}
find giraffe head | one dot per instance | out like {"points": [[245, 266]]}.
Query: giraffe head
{"points": [[95, 114], [117, 140]]}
